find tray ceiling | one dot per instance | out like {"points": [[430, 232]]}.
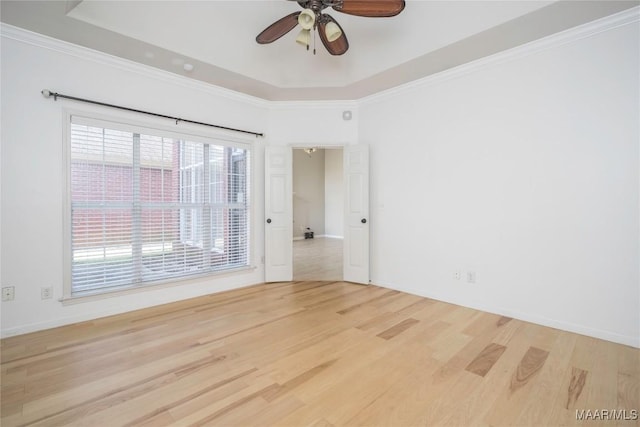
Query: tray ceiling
{"points": [[218, 39]]}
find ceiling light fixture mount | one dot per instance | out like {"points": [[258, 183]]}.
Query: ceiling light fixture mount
{"points": [[312, 18]]}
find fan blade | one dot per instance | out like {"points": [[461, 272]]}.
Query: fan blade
{"points": [[338, 46], [278, 29], [371, 8]]}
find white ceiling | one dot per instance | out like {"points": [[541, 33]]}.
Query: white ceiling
{"points": [[218, 39], [223, 33]]}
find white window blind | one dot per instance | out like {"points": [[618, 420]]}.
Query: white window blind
{"points": [[146, 207]]}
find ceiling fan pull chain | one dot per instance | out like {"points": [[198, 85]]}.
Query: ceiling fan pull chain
{"points": [[314, 41]]}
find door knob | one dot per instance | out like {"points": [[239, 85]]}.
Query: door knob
{"points": [[363, 220], [268, 220]]}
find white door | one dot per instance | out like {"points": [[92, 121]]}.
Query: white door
{"points": [[278, 191], [356, 204]]}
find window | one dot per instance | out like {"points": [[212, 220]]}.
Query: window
{"points": [[147, 206]]}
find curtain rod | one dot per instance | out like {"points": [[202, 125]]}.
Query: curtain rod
{"points": [[47, 94]]}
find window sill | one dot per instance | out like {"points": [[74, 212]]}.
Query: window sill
{"points": [[133, 289]]}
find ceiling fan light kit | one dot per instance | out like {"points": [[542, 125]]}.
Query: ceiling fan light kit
{"points": [[307, 19], [331, 34], [332, 31], [304, 37]]}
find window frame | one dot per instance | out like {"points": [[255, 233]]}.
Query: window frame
{"points": [[157, 127]]}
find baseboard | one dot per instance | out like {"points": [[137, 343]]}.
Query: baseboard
{"points": [[41, 326], [527, 317], [88, 317]]}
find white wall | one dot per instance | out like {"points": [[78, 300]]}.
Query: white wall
{"points": [[308, 193], [334, 193], [308, 124], [523, 169], [32, 168]]}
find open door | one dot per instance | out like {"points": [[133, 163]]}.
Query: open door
{"points": [[278, 256], [356, 204]]}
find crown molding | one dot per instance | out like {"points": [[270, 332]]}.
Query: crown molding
{"points": [[571, 35], [35, 39]]}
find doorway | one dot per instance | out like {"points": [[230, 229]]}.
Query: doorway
{"points": [[278, 231], [318, 213]]}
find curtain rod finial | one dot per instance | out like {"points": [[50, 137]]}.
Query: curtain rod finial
{"points": [[46, 93]]}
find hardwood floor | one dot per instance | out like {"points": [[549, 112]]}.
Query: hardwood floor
{"points": [[313, 354], [317, 259]]}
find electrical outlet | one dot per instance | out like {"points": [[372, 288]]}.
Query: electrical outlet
{"points": [[46, 293], [8, 293], [471, 277], [457, 275]]}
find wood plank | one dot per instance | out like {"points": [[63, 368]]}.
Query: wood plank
{"points": [[484, 361], [578, 380], [397, 329], [530, 364]]}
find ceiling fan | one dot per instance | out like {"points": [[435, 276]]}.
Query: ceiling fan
{"points": [[330, 32]]}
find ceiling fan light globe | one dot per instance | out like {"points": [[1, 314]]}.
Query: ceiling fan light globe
{"points": [[304, 37], [332, 31], [306, 19]]}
